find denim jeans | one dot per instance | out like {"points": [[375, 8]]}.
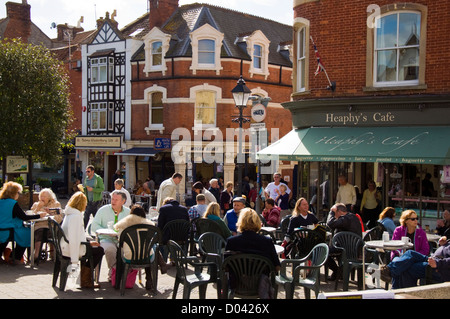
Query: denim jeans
{"points": [[407, 269]]}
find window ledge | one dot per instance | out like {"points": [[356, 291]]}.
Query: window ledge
{"points": [[155, 128], [394, 88]]}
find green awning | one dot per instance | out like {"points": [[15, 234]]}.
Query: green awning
{"points": [[416, 145]]}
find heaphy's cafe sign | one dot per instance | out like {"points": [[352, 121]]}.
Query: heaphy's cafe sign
{"points": [[360, 118]]}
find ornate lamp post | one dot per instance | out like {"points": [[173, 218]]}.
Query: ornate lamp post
{"points": [[241, 95]]}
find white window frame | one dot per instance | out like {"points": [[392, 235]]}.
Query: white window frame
{"points": [[148, 99], [301, 25], [193, 99], [258, 38], [156, 35], [397, 49], [206, 32], [97, 110], [99, 65]]}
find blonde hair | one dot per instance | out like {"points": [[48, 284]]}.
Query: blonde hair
{"points": [[10, 190], [78, 201], [296, 210], [406, 215], [212, 209], [248, 221]]}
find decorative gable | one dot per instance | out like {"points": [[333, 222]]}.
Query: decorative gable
{"points": [[106, 34]]}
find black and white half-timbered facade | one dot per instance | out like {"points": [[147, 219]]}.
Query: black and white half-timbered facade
{"points": [[106, 98]]}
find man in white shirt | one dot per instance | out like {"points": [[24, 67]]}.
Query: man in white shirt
{"points": [[168, 188], [272, 189], [346, 193]]}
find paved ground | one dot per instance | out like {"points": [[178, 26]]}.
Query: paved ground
{"points": [[26, 282]]}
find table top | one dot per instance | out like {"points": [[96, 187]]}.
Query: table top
{"points": [[107, 232], [433, 237], [388, 245], [279, 249], [269, 229]]}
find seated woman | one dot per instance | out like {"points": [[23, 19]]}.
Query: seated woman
{"points": [[12, 216], [249, 241], [47, 201], [301, 216], [138, 216], [408, 228], [213, 213], [271, 213], [387, 220], [73, 227]]}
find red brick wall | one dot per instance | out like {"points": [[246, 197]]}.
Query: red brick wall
{"points": [[339, 30], [182, 115], [19, 24]]}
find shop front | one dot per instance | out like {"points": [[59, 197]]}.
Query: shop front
{"points": [[100, 152], [400, 142]]}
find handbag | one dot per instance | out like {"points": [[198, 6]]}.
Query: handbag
{"points": [[131, 277], [86, 277]]}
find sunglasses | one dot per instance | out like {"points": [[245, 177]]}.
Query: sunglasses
{"points": [[413, 218]]}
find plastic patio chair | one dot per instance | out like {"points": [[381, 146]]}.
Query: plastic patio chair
{"points": [[304, 241], [197, 279], [351, 246], [61, 261], [177, 230], [143, 241], [242, 274], [200, 226], [311, 263], [211, 246]]}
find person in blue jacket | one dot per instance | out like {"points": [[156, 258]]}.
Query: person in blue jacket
{"points": [[12, 216]]}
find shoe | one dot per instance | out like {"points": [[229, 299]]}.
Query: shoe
{"points": [[385, 273], [6, 254]]}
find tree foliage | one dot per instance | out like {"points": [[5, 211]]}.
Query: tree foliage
{"points": [[35, 110]]}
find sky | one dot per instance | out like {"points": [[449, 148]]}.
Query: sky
{"points": [[45, 12]]}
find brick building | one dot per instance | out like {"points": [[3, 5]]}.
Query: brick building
{"points": [[386, 119], [182, 76]]}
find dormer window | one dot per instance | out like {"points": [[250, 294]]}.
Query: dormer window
{"points": [[257, 57], [206, 52], [206, 44], [156, 53], [258, 49], [156, 46]]}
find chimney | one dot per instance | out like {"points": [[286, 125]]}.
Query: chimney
{"points": [[18, 11], [160, 11], [19, 25]]}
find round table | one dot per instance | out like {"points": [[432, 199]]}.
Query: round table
{"points": [[390, 245]]}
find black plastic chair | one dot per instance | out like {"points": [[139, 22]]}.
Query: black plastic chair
{"points": [[200, 226], [143, 241], [282, 228], [197, 279], [351, 246], [243, 273], [304, 241], [61, 261], [311, 264], [11, 239], [177, 230]]}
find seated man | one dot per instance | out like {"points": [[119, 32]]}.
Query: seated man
{"points": [[405, 270], [110, 213], [232, 216], [171, 210], [199, 209]]}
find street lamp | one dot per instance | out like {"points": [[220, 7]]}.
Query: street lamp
{"points": [[241, 94]]}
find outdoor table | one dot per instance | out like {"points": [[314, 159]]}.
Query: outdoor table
{"points": [[279, 249], [31, 224], [381, 245], [269, 229], [107, 232], [433, 238]]}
